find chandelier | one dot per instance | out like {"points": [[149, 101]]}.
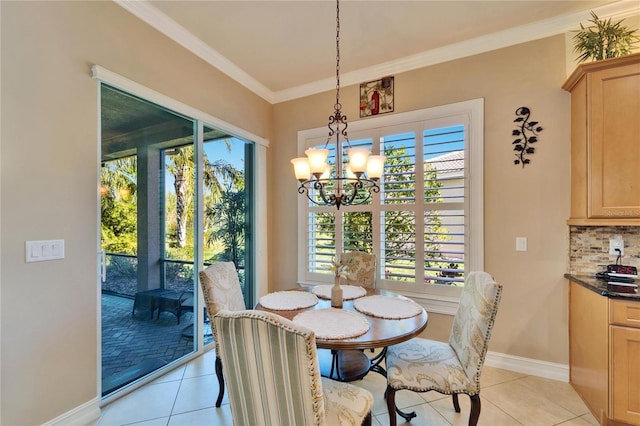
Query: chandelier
{"points": [[350, 186]]}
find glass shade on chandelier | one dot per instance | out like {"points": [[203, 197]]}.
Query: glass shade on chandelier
{"points": [[359, 180]]}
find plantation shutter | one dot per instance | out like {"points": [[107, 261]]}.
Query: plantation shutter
{"points": [[419, 225]]}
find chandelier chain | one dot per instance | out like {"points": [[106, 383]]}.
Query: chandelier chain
{"points": [[338, 106], [337, 189]]}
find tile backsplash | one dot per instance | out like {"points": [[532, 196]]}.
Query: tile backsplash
{"points": [[589, 247]]}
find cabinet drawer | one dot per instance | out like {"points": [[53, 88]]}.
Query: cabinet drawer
{"points": [[625, 313]]}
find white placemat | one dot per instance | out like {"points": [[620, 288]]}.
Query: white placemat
{"points": [[348, 291], [288, 300], [333, 323], [387, 307]]}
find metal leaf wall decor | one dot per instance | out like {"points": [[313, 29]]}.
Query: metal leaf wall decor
{"points": [[527, 135]]}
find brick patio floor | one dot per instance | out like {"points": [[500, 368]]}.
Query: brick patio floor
{"points": [[128, 341]]}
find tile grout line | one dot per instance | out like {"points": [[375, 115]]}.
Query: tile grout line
{"points": [[173, 406]]}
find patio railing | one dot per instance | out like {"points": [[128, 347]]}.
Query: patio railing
{"points": [[122, 274]]}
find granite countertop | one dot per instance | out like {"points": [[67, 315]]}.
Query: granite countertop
{"points": [[602, 288]]}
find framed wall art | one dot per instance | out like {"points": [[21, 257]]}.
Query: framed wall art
{"points": [[376, 97]]}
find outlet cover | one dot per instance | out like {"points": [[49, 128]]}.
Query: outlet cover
{"points": [[616, 243], [521, 243]]}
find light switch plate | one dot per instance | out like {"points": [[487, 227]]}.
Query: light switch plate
{"points": [[38, 251]]}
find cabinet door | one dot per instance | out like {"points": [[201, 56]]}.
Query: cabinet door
{"points": [[615, 142], [588, 348], [625, 377]]}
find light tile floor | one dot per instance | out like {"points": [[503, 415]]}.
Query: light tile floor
{"points": [[186, 396]]}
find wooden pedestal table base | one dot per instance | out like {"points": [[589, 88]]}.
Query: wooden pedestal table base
{"points": [[345, 366]]}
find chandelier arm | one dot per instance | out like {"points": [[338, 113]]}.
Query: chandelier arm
{"points": [[339, 198], [354, 191], [319, 186], [303, 189]]}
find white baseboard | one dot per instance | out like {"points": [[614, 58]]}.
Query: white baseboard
{"points": [[86, 414], [533, 367]]}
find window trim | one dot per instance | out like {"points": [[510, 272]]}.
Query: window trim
{"points": [[441, 299]]}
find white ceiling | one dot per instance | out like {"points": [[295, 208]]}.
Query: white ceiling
{"points": [[286, 49]]}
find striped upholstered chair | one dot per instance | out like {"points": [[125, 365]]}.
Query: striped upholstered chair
{"points": [[272, 374], [221, 290], [362, 268], [450, 368]]}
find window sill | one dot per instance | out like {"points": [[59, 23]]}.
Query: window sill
{"points": [[436, 304], [433, 304]]}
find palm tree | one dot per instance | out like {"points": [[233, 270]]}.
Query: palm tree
{"points": [[118, 178], [228, 214], [182, 168]]}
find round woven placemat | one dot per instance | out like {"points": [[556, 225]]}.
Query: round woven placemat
{"points": [[387, 307], [333, 323], [288, 300], [349, 292]]}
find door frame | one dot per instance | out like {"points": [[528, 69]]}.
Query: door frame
{"points": [[260, 285]]}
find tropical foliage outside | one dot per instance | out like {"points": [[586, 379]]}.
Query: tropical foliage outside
{"points": [[399, 242], [224, 217]]}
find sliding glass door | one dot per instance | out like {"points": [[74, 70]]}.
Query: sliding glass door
{"points": [[173, 191]]}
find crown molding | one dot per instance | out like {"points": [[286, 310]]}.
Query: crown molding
{"points": [[167, 26], [522, 34]]}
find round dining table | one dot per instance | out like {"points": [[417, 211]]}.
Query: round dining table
{"points": [[346, 358]]}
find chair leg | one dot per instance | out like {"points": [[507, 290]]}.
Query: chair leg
{"points": [[220, 381], [456, 404], [475, 410], [367, 420], [390, 396]]}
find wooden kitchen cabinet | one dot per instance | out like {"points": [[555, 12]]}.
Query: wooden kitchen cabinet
{"points": [[604, 355], [625, 353], [605, 142], [588, 349]]}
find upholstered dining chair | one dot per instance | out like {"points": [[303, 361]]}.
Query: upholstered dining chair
{"points": [[362, 272], [273, 377], [221, 290], [362, 268], [451, 368]]}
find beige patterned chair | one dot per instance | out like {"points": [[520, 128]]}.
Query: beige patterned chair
{"points": [[362, 268], [221, 290], [450, 368], [273, 377], [362, 272]]}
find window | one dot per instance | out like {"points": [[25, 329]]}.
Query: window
{"points": [[425, 224]]}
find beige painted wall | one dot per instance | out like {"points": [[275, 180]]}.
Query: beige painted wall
{"points": [[532, 202], [49, 180], [49, 168]]}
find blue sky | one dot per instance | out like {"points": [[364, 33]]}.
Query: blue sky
{"points": [[215, 151]]}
